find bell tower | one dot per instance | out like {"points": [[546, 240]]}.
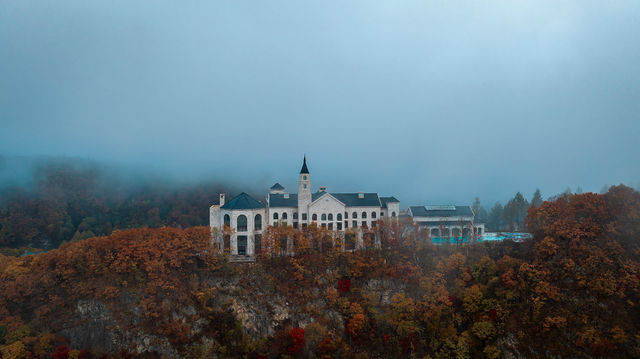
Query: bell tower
{"points": [[304, 193]]}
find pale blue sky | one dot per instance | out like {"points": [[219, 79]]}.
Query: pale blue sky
{"points": [[430, 101]]}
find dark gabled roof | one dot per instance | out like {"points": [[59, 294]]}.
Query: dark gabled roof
{"points": [[243, 201], [444, 223], [441, 211], [304, 166], [352, 200], [278, 200], [349, 199], [277, 186], [385, 200], [317, 195]]}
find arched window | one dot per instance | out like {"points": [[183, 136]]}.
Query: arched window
{"points": [[227, 220], [339, 216], [373, 214], [323, 217], [241, 223], [364, 214], [393, 214], [330, 216], [314, 217], [284, 215], [257, 222], [275, 215], [354, 215]]}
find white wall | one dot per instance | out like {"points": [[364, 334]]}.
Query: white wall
{"points": [[325, 205], [280, 210], [250, 232]]}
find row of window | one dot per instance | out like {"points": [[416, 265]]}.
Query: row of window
{"points": [[329, 217], [241, 221]]}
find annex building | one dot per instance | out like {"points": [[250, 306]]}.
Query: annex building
{"points": [[248, 217], [446, 221]]}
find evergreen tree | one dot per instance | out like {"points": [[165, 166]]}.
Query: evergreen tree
{"points": [[494, 221], [515, 211], [537, 200]]}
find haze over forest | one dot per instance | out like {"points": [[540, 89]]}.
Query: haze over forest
{"points": [[430, 102]]}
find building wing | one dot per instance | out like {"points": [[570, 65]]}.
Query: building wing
{"points": [[243, 201], [358, 199], [283, 200]]}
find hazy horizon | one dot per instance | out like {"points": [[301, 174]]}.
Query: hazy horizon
{"points": [[431, 102]]}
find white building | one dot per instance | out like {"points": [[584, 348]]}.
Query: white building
{"points": [[446, 221], [245, 216]]}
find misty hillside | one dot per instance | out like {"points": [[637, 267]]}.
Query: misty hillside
{"points": [[571, 291], [45, 202]]}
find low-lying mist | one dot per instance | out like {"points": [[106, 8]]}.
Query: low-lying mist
{"points": [[48, 201]]}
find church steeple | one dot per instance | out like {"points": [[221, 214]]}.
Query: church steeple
{"points": [[304, 192], [304, 166]]}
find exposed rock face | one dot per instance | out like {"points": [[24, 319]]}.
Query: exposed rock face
{"points": [[94, 327]]}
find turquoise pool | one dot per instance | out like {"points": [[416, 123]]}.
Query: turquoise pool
{"points": [[489, 236]]}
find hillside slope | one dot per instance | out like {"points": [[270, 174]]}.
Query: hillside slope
{"points": [[571, 291]]}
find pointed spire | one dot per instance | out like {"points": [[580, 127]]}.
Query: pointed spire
{"points": [[304, 166]]}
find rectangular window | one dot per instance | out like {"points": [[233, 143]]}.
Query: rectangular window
{"points": [[346, 215], [324, 225], [304, 216], [381, 214], [364, 223], [242, 245], [346, 224], [257, 243], [373, 223], [339, 226], [304, 225], [295, 224], [330, 225], [305, 185], [354, 224]]}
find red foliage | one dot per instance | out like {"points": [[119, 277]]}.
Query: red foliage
{"points": [[493, 314], [344, 285], [84, 354], [385, 338], [452, 299], [61, 353], [298, 341]]}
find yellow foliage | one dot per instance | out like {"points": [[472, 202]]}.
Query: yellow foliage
{"points": [[17, 350]]}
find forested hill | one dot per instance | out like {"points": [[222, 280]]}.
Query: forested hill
{"points": [[571, 291], [73, 200]]}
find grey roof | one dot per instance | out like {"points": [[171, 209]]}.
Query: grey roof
{"points": [[304, 166], [349, 199], [318, 194], [278, 200], [441, 211], [277, 186], [444, 223], [243, 201], [385, 200], [352, 200]]}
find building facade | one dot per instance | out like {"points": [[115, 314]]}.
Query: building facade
{"points": [[245, 218], [446, 221]]}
